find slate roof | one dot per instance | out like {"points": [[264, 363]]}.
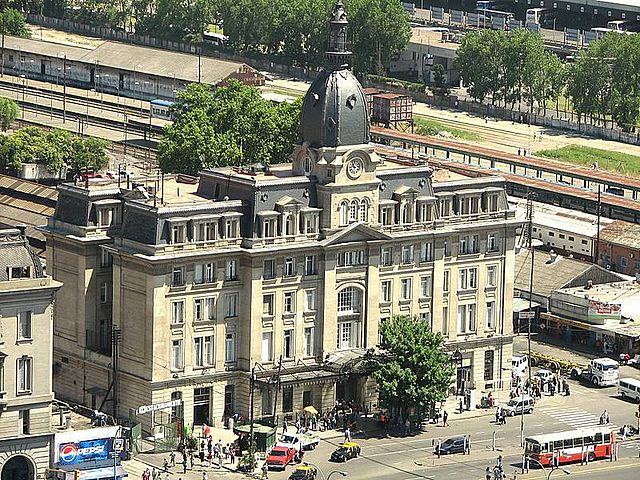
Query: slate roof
{"points": [[15, 252]]}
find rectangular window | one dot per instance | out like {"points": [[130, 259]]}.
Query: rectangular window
{"points": [[268, 270], [287, 399], [407, 254], [177, 277], [469, 244], [23, 422], [344, 337], [205, 273], [405, 289], [426, 252], [491, 316], [231, 305], [205, 231], [198, 309], [177, 312], [105, 258], [267, 346], [231, 272], [488, 364], [310, 265], [309, 350], [177, 355], [492, 274], [350, 258], [230, 347], [231, 228], [267, 304], [210, 307], [104, 292], [289, 305], [287, 345], [310, 300], [467, 278], [445, 280], [466, 318], [177, 234], [24, 370], [385, 291], [24, 325], [386, 256], [492, 242], [425, 287], [426, 318], [561, 236], [289, 267], [203, 351], [1, 374]]}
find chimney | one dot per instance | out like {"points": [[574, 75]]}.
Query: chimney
{"points": [[553, 256], [589, 285]]}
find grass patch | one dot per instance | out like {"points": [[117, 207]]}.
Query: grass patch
{"points": [[587, 156], [433, 127]]}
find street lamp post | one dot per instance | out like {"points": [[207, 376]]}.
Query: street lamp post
{"points": [[551, 470], [342, 474]]}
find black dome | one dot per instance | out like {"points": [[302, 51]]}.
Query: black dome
{"points": [[334, 111]]}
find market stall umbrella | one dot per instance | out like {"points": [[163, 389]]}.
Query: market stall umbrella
{"points": [[310, 409]]}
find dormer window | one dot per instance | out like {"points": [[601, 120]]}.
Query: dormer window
{"points": [[107, 212], [469, 204], [19, 272], [205, 229], [178, 234], [289, 222], [310, 220], [231, 224]]}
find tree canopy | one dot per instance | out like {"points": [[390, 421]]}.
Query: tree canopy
{"points": [[413, 369], [12, 22], [509, 67], [231, 125], [52, 148], [8, 113]]}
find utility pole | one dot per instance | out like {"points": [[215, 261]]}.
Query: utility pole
{"points": [[596, 256], [275, 400], [530, 235], [251, 389], [116, 335]]}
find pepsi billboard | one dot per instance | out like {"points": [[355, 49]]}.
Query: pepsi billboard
{"points": [[74, 453]]}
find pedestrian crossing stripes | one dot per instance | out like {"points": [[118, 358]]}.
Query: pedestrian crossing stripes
{"points": [[576, 417]]}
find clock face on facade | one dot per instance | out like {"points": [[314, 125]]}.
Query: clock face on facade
{"points": [[354, 168]]}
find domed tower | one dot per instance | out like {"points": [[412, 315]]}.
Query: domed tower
{"points": [[334, 124], [334, 111]]}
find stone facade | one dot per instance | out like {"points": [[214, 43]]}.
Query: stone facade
{"points": [[283, 272], [26, 299]]}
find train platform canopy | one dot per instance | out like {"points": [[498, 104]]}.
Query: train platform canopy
{"points": [[137, 59]]}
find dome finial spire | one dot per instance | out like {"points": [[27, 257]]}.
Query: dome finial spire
{"points": [[338, 53]]}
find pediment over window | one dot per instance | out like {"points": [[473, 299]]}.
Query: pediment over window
{"points": [[356, 232]]}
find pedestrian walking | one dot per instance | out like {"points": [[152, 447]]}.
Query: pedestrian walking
{"points": [[205, 476], [165, 465], [285, 425], [232, 455], [460, 404], [265, 470], [499, 462], [298, 426], [445, 417], [498, 414], [347, 434], [567, 392], [201, 454], [184, 465], [172, 458], [191, 460], [487, 473]]}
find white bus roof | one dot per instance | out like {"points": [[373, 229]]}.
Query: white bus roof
{"points": [[581, 432], [633, 381], [605, 361]]}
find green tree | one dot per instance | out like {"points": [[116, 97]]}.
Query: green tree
{"points": [[31, 145], [413, 369], [440, 86], [8, 113], [87, 155], [625, 78], [230, 125], [12, 22], [181, 19]]}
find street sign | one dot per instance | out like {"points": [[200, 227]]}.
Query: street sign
{"points": [[526, 315], [157, 406]]}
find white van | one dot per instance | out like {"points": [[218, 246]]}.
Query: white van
{"points": [[629, 388]]}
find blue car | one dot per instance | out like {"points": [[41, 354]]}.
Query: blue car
{"points": [[451, 445]]}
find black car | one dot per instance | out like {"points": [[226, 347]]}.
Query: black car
{"points": [[451, 445]]}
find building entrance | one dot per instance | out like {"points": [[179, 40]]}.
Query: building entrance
{"points": [[18, 467]]}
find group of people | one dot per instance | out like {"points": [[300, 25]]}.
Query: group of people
{"points": [[538, 386], [215, 453], [497, 472]]}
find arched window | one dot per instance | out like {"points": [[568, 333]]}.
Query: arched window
{"points": [[353, 211], [364, 210], [344, 213], [406, 213], [349, 300], [307, 166]]}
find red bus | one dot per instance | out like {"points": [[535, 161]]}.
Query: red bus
{"points": [[571, 446]]}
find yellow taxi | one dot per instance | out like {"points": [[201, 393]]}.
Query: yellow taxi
{"points": [[345, 452], [304, 472]]}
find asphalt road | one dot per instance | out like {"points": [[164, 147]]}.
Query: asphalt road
{"points": [[392, 457]]}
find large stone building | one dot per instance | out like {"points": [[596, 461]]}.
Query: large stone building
{"points": [[210, 279], [26, 298]]}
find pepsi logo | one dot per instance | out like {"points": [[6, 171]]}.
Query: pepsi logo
{"points": [[68, 452]]}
